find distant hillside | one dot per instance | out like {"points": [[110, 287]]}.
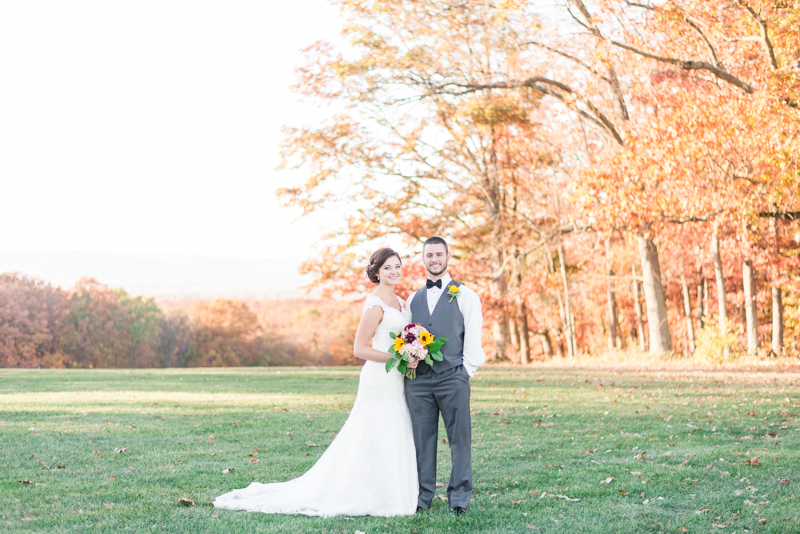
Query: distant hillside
{"points": [[165, 276]]}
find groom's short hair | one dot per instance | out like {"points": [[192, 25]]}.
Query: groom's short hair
{"points": [[436, 240]]}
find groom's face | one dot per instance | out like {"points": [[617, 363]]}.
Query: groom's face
{"points": [[435, 258]]}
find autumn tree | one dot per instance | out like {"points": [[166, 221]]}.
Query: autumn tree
{"points": [[415, 158], [227, 333], [31, 315], [176, 336]]}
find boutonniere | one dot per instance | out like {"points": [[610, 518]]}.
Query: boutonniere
{"points": [[453, 291]]}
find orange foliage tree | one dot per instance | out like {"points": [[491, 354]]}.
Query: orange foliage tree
{"points": [[227, 333]]}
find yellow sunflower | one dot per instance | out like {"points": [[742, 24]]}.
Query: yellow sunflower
{"points": [[426, 338], [398, 343]]}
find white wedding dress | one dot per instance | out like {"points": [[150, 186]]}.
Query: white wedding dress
{"points": [[370, 467]]}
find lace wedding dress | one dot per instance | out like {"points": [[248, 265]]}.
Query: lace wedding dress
{"points": [[370, 467]]}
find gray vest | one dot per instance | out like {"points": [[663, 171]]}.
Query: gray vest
{"points": [[446, 321]]}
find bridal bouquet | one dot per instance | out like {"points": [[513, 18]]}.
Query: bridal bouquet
{"points": [[412, 345]]}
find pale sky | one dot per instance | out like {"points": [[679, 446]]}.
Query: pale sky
{"points": [[153, 126]]}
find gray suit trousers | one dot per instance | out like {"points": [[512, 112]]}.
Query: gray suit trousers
{"points": [[447, 393]]}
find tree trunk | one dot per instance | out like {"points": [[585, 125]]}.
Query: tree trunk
{"points": [[721, 299], [512, 332], [547, 345], [614, 339], [701, 283], [660, 340], [777, 299], [750, 306], [523, 334], [559, 345], [637, 306], [570, 324], [777, 321], [499, 290], [687, 309]]}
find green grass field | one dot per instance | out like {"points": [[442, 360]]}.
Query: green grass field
{"points": [[113, 450]]}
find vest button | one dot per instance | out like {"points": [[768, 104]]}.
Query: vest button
{"points": [[430, 323]]}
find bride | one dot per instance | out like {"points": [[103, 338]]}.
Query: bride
{"points": [[370, 467]]}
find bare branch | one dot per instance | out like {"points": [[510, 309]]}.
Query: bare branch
{"points": [[765, 41], [691, 22], [784, 215], [596, 116], [722, 74], [643, 6]]}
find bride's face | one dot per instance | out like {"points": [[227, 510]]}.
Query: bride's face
{"points": [[391, 271]]}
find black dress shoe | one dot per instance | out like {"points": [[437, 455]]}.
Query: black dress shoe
{"points": [[420, 508], [457, 510]]}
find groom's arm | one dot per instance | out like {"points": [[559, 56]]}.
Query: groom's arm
{"points": [[470, 305]]}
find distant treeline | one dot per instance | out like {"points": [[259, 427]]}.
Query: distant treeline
{"points": [[94, 326]]}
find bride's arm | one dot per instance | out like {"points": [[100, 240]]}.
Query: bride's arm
{"points": [[370, 320]]}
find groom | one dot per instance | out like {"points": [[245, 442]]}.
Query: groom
{"points": [[447, 309]]}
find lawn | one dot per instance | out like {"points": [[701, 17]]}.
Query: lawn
{"points": [[555, 450]]}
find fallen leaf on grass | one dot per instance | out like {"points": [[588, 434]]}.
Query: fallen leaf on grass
{"points": [[185, 502], [718, 525], [709, 466], [752, 461], [359, 532], [439, 485], [254, 460], [98, 452], [762, 521], [26, 519], [61, 466], [25, 482], [556, 467], [784, 481], [229, 470], [108, 504], [532, 527], [112, 477], [681, 529], [517, 502], [120, 451], [211, 439], [641, 455], [545, 494], [442, 497], [444, 441], [312, 445], [607, 481], [623, 493]]}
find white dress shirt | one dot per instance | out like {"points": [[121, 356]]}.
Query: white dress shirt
{"points": [[470, 305]]}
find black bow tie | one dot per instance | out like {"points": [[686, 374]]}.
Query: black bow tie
{"points": [[431, 283]]}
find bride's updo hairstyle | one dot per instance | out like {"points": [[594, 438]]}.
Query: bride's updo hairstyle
{"points": [[376, 261]]}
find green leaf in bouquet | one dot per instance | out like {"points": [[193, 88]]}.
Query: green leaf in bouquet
{"points": [[390, 363], [402, 366], [392, 335], [428, 360], [438, 356], [411, 373]]}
